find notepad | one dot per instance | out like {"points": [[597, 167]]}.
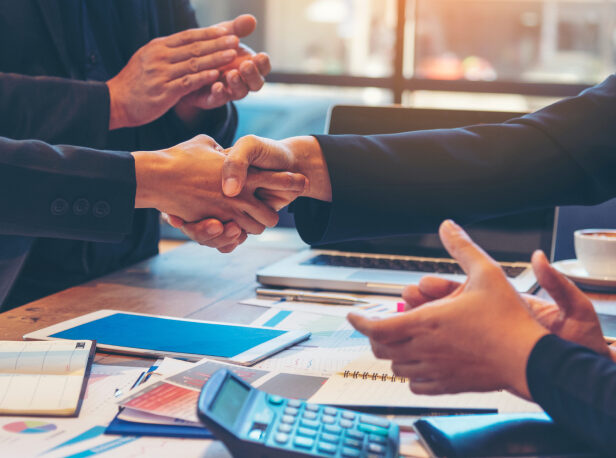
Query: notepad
{"points": [[44, 378], [368, 381]]}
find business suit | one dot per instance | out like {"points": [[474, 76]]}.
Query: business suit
{"points": [[44, 95], [386, 185], [564, 154]]}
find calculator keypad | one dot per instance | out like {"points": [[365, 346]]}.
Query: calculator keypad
{"points": [[327, 431]]}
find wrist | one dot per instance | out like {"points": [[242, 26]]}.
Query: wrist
{"points": [[519, 345], [147, 173], [117, 114], [310, 162]]}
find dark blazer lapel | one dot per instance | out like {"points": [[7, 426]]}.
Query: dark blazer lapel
{"points": [[51, 14]]}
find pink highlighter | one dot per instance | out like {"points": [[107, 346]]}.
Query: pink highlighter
{"points": [[401, 307]]}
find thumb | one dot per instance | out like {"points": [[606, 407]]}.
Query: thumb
{"points": [[459, 245], [567, 296], [235, 168], [172, 220], [241, 26]]}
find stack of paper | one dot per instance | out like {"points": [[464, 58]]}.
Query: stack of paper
{"points": [[173, 399]]}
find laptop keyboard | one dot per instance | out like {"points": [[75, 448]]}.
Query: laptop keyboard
{"points": [[411, 265]]}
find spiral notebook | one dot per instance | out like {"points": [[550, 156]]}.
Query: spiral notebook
{"points": [[368, 381]]}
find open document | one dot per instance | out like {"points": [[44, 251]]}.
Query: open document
{"points": [[44, 378]]}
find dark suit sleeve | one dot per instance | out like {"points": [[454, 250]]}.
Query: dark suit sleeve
{"points": [[65, 191], [387, 185], [58, 110], [577, 388]]}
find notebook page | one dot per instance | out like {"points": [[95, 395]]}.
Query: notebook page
{"points": [[370, 382], [42, 377]]}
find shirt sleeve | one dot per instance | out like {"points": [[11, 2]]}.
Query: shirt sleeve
{"points": [[577, 388]]}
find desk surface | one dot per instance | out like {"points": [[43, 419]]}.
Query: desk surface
{"points": [[190, 281]]}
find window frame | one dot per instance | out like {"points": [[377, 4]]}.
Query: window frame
{"points": [[398, 83]]}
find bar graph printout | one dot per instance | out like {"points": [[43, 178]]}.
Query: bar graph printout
{"points": [[44, 378]]}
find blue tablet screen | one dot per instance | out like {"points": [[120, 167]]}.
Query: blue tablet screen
{"points": [[169, 335]]}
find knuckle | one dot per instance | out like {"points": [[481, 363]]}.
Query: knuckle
{"points": [[186, 81], [193, 65]]}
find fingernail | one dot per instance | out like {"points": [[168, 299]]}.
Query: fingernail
{"points": [[212, 229], [231, 40], [231, 187], [229, 54], [234, 231]]}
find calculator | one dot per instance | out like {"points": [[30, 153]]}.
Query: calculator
{"points": [[252, 423]]}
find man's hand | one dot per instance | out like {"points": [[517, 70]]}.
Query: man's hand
{"points": [[227, 237], [572, 317], [245, 74], [478, 338], [165, 70], [186, 181], [301, 155]]}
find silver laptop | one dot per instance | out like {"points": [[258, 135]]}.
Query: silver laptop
{"points": [[387, 265]]}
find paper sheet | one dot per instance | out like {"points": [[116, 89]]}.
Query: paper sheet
{"points": [[175, 396], [383, 391], [378, 305], [32, 436], [332, 345], [42, 378]]}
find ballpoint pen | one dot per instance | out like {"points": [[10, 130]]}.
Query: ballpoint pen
{"points": [[306, 296]]}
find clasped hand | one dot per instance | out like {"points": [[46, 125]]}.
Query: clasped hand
{"points": [[185, 181]]}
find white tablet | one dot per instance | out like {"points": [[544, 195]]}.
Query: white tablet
{"points": [[159, 336]]}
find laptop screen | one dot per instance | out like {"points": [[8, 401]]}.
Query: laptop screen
{"points": [[524, 232]]}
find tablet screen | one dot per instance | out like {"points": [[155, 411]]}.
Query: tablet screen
{"points": [[169, 335]]}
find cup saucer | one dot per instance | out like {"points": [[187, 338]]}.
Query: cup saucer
{"points": [[572, 268]]}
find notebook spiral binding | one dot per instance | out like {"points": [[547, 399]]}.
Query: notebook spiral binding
{"points": [[373, 376]]}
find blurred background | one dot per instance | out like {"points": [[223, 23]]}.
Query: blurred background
{"points": [[501, 55], [474, 54]]}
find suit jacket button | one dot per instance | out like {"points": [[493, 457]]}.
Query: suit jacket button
{"points": [[101, 209], [59, 207], [81, 207]]}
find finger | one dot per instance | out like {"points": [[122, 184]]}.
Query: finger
{"points": [[397, 351], [172, 220], [248, 223], [263, 63], [203, 48], [568, 297], [200, 64], [251, 76], [232, 246], [276, 200], [383, 330], [203, 232], [191, 35], [235, 167], [213, 97], [236, 87], [472, 259], [276, 181], [241, 26], [259, 211], [190, 83], [437, 288]]}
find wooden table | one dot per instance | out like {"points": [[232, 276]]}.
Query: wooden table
{"points": [[190, 281]]}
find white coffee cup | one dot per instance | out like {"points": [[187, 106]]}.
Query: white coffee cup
{"points": [[596, 251]]}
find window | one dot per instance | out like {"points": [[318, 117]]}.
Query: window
{"points": [[484, 54]]}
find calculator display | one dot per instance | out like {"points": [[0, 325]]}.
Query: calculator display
{"points": [[229, 401]]}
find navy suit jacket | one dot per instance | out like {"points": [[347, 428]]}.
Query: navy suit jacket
{"points": [[564, 154], [386, 185], [41, 97]]}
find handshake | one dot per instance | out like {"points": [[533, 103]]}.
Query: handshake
{"points": [[217, 197]]}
